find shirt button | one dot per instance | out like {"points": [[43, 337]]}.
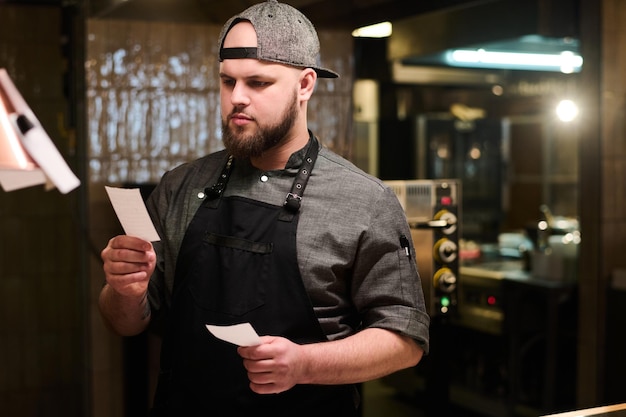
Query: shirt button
{"points": [[201, 195], [264, 178]]}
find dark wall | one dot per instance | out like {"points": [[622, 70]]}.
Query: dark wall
{"points": [[42, 292]]}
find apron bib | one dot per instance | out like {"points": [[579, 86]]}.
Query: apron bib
{"points": [[238, 263]]}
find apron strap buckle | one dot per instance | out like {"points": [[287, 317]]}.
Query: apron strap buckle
{"points": [[292, 202]]}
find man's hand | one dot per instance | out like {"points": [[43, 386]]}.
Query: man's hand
{"points": [[273, 366], [128, 264], [278, 364]]}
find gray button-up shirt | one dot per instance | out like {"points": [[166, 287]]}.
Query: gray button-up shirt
{"points": [[353, 267]]}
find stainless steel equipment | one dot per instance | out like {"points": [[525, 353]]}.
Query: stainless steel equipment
{"points": [[433, 211], [481, 294]]}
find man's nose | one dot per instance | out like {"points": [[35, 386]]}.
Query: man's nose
{"points": [[239, 95]]}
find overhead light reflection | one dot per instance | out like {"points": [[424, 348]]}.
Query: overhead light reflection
{"points": [[475, 152], [566, 61], [379, 30]]}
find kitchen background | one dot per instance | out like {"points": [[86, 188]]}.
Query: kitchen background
{"points": [[126, 97]]}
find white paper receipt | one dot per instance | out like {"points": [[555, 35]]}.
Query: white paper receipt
{"points": [[239, 334], [132, 213]]}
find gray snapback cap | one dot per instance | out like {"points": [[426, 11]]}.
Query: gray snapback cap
{"points": [[284, 35]]}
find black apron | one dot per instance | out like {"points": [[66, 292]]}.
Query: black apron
{"points": [[237, 263]]}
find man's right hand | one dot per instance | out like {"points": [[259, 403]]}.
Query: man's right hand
{"points": [[128, 264]]}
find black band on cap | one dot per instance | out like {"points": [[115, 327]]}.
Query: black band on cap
{"points": [[238, 53]]}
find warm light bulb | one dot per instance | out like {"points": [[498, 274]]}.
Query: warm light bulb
{"points": [[566, 110]]}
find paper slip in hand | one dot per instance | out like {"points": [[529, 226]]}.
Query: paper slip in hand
{"points": [[239, 334], [131, 212]]}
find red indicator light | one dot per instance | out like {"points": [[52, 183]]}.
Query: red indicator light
{"points": [[491, 300], [446, 201]]}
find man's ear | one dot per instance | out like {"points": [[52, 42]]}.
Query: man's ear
{"points": [[308, 78]]}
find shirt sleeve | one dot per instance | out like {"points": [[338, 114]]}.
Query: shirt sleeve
{"points": [[386, 288]]}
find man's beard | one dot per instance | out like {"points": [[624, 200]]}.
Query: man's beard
{"points": [[255, 144]]}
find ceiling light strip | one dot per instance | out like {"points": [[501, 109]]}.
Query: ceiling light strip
{"points": [[566, 61]]}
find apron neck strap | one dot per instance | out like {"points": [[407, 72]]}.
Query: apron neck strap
{"points": [[216, 190], [294, 198]]}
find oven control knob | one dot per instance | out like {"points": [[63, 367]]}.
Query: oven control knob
{"points": [[445, 280], [451, 220], [445, 251]]}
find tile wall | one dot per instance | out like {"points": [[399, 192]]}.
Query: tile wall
{"points": [[153, 97]]}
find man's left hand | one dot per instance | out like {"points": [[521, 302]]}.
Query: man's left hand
{"points": [[273, 366]]}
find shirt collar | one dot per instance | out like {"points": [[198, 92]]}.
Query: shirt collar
{"points": [[296, 158], [293, 163]]}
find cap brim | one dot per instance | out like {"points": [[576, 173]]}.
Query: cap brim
{"points": [[326, 73]]}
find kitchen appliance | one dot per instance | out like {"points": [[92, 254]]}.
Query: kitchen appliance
{"points": [[433, 211], [481, 293]]}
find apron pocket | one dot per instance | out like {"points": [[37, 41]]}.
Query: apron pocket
{"points": [[232, 242], [231, 274]]}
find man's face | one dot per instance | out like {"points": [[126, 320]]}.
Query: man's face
{"points": [[259, 101], [245, 137]]}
